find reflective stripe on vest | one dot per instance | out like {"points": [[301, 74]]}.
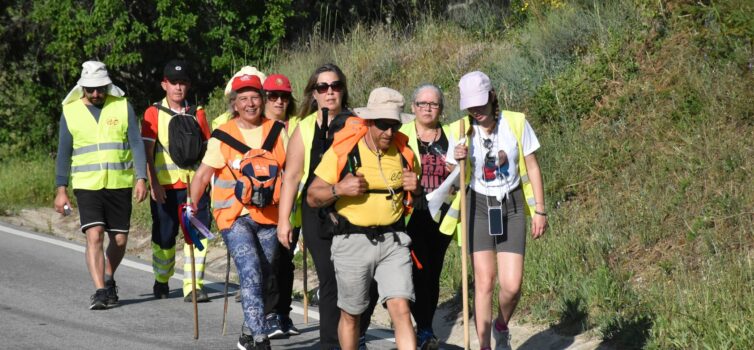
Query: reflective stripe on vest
{"points": [[167, 172], [101, 155]]}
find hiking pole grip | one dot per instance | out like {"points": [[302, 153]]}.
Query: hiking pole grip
{"points": [[464, 262]]}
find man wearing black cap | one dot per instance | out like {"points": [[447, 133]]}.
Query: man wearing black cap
{"points": [[168, 183]]}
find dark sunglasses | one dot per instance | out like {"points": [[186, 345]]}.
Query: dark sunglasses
{"points": [[322, 88], [384, 124], [273, 96], [100, 89]]}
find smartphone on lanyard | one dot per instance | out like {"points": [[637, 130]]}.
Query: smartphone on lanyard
{"points": [[495, 217]]}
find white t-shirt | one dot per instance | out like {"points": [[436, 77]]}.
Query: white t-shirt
{"points": [[489, 178]]}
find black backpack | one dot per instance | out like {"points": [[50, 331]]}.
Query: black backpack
{"points": [[187, 143]]}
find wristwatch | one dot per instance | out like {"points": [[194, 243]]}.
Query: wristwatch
{"points": [[334, 195]]}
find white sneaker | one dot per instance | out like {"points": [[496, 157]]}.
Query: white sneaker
{"points": [[502, 339]]}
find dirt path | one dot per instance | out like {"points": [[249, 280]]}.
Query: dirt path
{"points": [[448, 322]]}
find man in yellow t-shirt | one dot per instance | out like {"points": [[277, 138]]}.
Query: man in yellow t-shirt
{"points": [[370, 241]]}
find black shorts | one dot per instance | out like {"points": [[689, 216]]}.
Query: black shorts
{"points": [[105, 207]]}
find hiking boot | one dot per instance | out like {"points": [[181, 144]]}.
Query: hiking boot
{"points": [[502, 338], [286, 325], [272, 327], [99, 300], [427, 340], [112, 293], [161, 290], [201, 296]]}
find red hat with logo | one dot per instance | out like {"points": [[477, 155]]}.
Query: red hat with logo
{"points": [[246, 81], [277, 82]]}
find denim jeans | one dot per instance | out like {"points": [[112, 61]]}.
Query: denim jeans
{"points": [[252, 247]]}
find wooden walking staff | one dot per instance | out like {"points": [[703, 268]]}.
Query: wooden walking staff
{"points": [[464, 263], [193, 266], [306, 290]]}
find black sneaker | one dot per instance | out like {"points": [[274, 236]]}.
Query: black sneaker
{"points": [[161, 290], [112, 293], [246, 342], [201, 296], [272, 327], [99, 300], [263, 345], [427, 340], [286, 325]]}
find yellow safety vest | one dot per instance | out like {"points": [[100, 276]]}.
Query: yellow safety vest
{"points": [[306, 127], [168, 172], [101, 154], [220, 120], [450, 223], [409, 129]]}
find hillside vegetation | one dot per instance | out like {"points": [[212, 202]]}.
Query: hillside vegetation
{"points": [[645, 113]]}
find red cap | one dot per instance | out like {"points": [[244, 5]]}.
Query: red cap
{"points": [[246, 81], [277, 82]]}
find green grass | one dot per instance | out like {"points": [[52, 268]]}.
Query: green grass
{"points": [[644, 113]]}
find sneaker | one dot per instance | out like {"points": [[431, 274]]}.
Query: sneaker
{"points": [[502, 339], [286, 324], [161, 290], [201, 296], [427, 340], [112, 293], [99, 300], [247, 342], [272, 327]]}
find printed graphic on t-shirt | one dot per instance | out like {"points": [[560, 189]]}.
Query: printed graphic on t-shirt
{"points": [[492, 171], [434, 170]]}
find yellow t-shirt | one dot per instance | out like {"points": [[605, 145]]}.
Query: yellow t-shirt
{"points": [[369, 209], [214, 158]]}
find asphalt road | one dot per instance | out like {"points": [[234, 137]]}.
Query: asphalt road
{"points": [[44, 299]]}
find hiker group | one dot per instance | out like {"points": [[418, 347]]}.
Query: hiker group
{"points": [[375, 195]]}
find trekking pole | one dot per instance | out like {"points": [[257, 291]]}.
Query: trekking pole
{"points": [[464, 268], [193, 266], [306, 293], [227, 278]]}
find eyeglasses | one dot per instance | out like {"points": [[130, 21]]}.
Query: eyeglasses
{"points": [[384, 124], [273, 96], [100, 89], [424, 104], [336, 86]]}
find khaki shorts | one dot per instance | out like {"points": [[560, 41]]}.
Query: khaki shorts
{"points": [[358, 260]]}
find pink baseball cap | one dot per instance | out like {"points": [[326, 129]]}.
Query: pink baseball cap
{"points": [[475, 89], [246, 81], [277, 82]]}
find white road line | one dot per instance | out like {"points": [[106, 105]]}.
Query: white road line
{"points": [[377, 333]]}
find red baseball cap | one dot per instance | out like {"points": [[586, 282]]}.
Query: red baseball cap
{"points": [[246, 81], [277, 82]]}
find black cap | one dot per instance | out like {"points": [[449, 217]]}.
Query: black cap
{"points": [[177, 70]]}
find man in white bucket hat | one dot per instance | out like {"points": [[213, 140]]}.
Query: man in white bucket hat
{"points": [[367, 175], [99, 147]]}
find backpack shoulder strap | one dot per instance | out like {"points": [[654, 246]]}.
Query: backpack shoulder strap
{"points": [[159, 106], [272, 137], [230, 141]]}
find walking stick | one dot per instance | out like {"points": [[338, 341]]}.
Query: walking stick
{"points": [[227, 278], [306, 293], [193, 266], [464, 268]]}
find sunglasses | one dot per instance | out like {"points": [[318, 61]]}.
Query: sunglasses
{"points": [[337, 86], [100, 89], [273, 96], [385, 124]]}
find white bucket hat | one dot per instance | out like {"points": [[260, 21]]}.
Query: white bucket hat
{"points": [[384, 103], [246, 70], [475, 89], [93, 74]]}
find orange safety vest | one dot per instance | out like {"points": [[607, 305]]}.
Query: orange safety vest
{"points": [[226, 208], [348, 137]]}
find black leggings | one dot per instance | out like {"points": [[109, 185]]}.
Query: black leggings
{"points": [[279, 290], [429, 246], [329, 313]]}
